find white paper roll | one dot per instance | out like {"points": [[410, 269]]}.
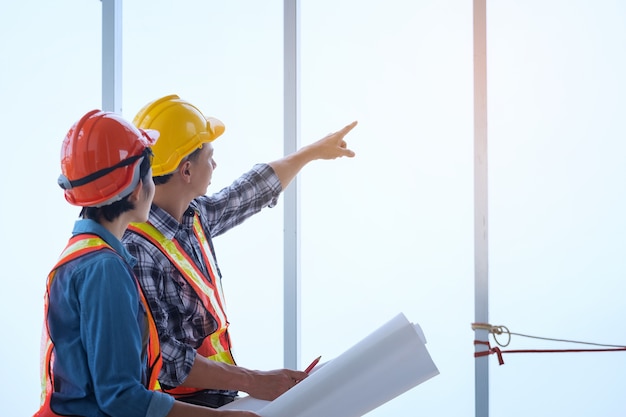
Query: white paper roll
{"points": [[387, 363]]}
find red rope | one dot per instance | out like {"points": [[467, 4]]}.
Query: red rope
{"points": [[496, 350], [489, 351]]}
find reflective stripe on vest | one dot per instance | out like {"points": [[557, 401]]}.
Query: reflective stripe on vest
{"points": [[216, 346], [78, 246]]}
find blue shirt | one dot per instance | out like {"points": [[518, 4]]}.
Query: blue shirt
{"points": [[99, 329]]}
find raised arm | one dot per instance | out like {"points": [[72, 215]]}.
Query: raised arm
{"points": [[331, 146]]}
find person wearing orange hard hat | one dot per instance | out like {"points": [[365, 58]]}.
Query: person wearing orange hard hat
{"points": [[176, 264], [100, 346]]}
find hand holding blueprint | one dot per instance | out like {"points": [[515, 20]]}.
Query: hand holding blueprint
{"points": [[390, 361]]}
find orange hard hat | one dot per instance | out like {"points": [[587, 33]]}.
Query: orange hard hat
{"points": [[100, 158]]}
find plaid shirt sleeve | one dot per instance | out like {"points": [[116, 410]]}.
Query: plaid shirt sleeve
{"points": [[246, 196]]}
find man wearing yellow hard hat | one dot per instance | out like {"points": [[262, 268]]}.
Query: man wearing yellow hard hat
{"points": [[176, 266]]}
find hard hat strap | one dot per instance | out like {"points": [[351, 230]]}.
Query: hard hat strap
{"points": [[67, 184]]}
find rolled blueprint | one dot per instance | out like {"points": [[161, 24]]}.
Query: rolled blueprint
{"points": [[390, 361]]}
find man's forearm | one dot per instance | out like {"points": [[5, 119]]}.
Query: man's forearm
{"points": [[265, 385], [209, 374]]}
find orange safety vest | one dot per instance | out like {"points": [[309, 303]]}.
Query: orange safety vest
{"points": [[216, 346], [78, 246]]}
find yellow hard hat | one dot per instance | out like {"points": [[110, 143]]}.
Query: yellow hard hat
{"points": [[182, 127]]}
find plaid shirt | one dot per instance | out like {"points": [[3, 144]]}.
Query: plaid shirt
{"points": [[182, 321]]}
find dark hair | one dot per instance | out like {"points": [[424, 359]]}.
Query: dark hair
{"points": [[163, 179], [112, 211]]}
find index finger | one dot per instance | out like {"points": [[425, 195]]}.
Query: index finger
{"points": [[348, 128]]}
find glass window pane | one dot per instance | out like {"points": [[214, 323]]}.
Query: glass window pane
{"points": [[557, 167], [391, 230]]}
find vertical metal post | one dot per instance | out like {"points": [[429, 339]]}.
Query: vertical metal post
{"points": [[112, 55], [292, 194], [481, 247]]}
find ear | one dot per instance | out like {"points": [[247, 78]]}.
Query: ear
{"points": [[184, 170], [134, 195]]}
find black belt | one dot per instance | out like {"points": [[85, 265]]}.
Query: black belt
{"points": [[207, 399]]}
